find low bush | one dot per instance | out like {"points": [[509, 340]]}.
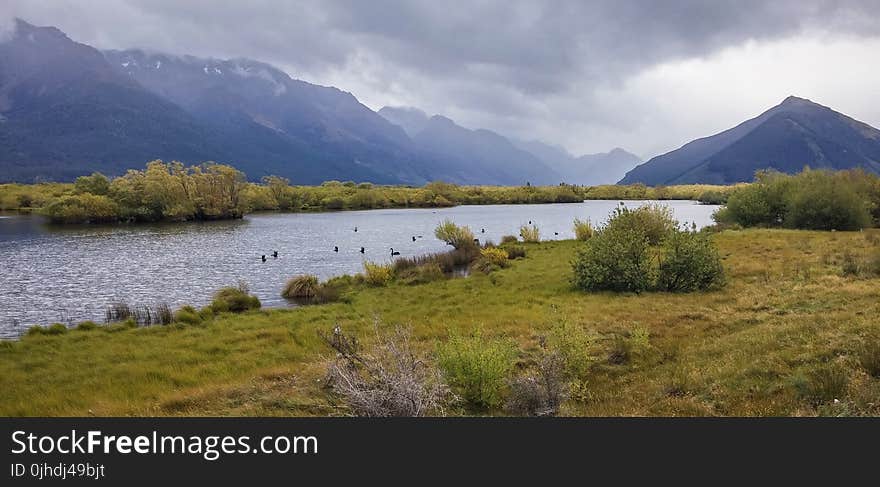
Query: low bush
{"points": [[300, 287], [234, 299], [574, 346], [583, 230], [530, 233], [509, 239], [617, 258], [391, 380], [454, 235], [495, 255], [541, 392], [653, 221], [515, 252], [187, 315], [690, 262], [377, 274], [477, 368]]}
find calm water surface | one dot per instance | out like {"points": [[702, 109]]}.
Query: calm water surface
{"points": [[70, 274]]}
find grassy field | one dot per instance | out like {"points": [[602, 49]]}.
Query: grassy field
{"points": [[759, 347]]}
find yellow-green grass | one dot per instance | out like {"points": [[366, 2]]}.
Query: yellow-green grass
{"points": [[740, 351]]}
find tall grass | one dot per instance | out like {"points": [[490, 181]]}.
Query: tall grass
{"points": [[530, 233]]}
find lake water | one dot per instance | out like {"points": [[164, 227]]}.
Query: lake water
{"points": [[70, 274]]}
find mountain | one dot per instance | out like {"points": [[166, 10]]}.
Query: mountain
{"points": [[411, 120], [64, 111], [67, 109], [280, 125], [589, 169], [470, 156], [787, 137]]}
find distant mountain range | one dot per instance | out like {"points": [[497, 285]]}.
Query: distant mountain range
{"points": [[540, 162], [67, 109], [787, 137]]}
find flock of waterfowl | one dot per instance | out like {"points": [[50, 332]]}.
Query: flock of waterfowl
{"points": [[393, 252]]}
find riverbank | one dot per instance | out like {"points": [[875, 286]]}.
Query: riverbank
{"points": [[172, 192], [752, 348]]}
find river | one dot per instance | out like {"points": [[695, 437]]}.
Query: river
{"points": [[69, 274]]}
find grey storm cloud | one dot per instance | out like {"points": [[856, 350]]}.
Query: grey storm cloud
{"points": [[493, 61]]}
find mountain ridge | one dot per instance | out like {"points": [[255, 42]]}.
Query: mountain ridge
{"points": [[787, 137]]}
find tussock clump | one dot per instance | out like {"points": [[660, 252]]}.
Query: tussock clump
{"points": [[234, 299], [301, 287], [454, 235], [507, 239], [823, 384], [530, 233], [583, 230], [390, 380], [869, 357]]}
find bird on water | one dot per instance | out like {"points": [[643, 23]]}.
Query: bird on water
{"points": [[264, 257], [275, 254], [362, 250], [394, 253], [336, 248]]}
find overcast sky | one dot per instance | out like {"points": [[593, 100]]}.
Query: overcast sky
{"points": [[644, 75]]}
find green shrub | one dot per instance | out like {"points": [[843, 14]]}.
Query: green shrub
{"points": [[617, 258], [515, 252], [690, 263], [234, 300], [188, 315], [304, 286], [508, 239], [377, 274], [87, 326], [452, 234], [574, 346], [495, 255], [823, 384], [817, 200], [653, 221], [477, 368], [823, 201], [583, 230], [530, 233]]}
